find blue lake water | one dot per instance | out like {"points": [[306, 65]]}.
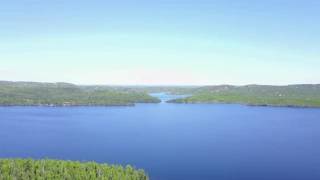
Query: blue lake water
{"points": [[172, 141]]}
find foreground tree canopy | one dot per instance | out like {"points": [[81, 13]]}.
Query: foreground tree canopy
{"points": [[29, 169]]}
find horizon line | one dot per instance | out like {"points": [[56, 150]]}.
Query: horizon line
{"points": [[155, 85]]}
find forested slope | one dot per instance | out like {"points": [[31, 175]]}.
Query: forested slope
{"points": [[64, 94], [303, 95]]}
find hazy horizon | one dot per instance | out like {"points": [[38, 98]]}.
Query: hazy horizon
{"points": [[160, 42], [159, 85]]}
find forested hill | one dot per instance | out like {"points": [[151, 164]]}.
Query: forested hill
{"points": [[300, 95], [65, 94], [25, 169], [34, 84], [310, 90]]}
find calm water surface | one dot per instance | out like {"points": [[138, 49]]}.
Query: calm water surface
{"points": [[172, 141]]}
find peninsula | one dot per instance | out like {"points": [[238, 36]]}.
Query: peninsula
{"points": [[301, 95], [66, 94]]}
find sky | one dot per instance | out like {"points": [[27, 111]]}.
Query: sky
{"points": [[161, 42]]}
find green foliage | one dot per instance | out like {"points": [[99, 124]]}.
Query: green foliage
{"points": [[255, 95], [47, 169], [63, 94]]}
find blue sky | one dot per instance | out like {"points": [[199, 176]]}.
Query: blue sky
{"points": [[163, 42]]}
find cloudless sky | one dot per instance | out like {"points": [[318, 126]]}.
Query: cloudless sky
{"points": [[161, 42]]}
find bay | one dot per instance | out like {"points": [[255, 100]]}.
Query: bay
{"points": [[172, 141]]}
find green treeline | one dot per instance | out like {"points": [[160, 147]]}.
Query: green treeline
{"points": [[63, 94], [254, 95], [47, 169], [250, 101]]}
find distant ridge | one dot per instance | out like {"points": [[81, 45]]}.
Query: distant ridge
{"points": [[32, 84]]}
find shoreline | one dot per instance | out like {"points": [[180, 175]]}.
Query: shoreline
{"points": [[115, 105], [244, 104]]}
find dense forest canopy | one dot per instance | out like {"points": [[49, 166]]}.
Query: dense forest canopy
{"points": [[47, 169]]}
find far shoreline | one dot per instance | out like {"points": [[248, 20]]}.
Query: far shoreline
{"points": [[244, 104]]}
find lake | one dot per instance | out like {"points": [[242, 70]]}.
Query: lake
{"points": [[172, 141]]}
